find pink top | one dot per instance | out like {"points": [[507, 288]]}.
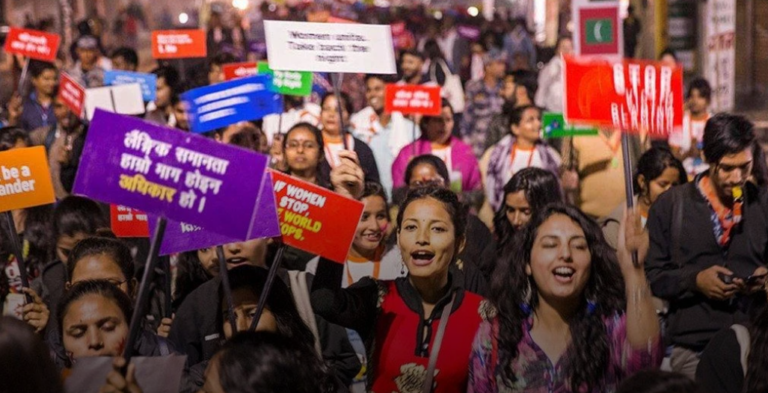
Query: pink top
{"points": [[462, 160]]}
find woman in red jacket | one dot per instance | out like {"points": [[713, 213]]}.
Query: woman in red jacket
{"points": [[405, 321]]}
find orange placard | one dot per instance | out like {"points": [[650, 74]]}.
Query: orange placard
{"points": [[315, 219], [25, 179], [629, 95], [178, 44], [127, 222], [412, 99]]}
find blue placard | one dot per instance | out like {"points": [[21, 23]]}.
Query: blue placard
{"points": [[227, 103], [148, 82]]}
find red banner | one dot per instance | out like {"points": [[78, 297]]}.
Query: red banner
{"points": [[412, 99], [239, 70], [633, 96], [178, 44], [32, 43], [127, 222], [72, 94], [315, 219]]}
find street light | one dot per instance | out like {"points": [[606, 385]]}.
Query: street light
{"points": [[183, 18], [473, 11]]}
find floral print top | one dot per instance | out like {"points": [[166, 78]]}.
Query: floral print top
{"points": [[535, 372]]}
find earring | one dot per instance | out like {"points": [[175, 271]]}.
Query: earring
{"points": [[591, 307], [402, 268]]}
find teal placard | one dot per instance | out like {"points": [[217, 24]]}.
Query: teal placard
{"points": [[555, 127], [292, 83]]}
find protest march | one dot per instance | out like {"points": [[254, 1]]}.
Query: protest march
{"points": [[350, 197]]}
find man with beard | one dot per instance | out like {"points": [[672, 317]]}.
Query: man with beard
{"points": [[708, 241], [385, 133]]}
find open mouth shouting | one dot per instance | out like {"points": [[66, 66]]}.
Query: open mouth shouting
{"points": [[422, 257], [564, 274]]}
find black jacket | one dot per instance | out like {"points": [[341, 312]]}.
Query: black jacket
{"points": [[196, 333], [720, 368], [693, 318]]}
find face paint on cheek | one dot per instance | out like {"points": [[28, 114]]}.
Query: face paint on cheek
{"points": [[121, 346], [384, 227]]}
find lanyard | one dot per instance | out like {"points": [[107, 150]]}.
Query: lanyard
{"points": [[514, 152], [427, 386]]}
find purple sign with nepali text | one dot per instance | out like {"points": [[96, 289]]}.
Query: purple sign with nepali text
{"points": [[169, 173], [180, 236]]}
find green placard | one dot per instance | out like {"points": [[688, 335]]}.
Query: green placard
{"points": [[555, 127], [292, 83]]}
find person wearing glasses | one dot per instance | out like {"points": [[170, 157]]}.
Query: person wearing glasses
{"points": [[708, 240]]}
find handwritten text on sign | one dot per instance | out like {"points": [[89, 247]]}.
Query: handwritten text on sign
{"points": [[330, 47], [32, 43], [409, 99], [127, 222], [25, 179], [630, 95], [315, 219], [178, 44], [180, 176], [72, 94]]}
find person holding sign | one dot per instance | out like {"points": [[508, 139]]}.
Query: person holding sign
{"points": [[386, 133], [521, 148], [561, 299], [38, 107], [333, 138], [436, 139], [421, 325]]}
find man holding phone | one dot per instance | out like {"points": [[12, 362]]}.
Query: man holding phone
{"points": [[709, 241]]}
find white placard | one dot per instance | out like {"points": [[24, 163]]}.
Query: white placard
{"points": [[330, 47], [720, 53], [122, 99]]}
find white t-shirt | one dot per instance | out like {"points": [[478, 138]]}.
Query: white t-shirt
{"points": [[309, 113], [522, 159], [692, 129]]}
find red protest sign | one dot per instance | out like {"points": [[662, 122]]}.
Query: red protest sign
{"points": [[315, 219], [127, 222], [412, 99], [239, 70], [178, 44], [629, 95], [32, 43], [72, 94]]}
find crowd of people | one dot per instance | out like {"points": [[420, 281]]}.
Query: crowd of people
{"points": [[487, 258]]}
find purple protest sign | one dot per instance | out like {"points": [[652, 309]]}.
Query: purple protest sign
{"points": [[165, 172], [180, 237], [471, 33]]}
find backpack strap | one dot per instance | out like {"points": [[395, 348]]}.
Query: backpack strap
{"points": [[742, 336]]}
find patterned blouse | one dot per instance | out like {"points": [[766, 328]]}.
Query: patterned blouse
{"points": [[535, 372]]}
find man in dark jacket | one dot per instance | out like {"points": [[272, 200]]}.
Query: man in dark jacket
{"points": [[707, 238]]}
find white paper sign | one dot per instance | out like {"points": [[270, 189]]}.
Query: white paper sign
{"points": [[330, 47], [157, 374], [122, 99], [720, 53]]}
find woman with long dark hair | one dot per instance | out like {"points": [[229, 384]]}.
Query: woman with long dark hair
{"points": [[526, 193], [736, 360], [657, 171], [567, 322]]}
